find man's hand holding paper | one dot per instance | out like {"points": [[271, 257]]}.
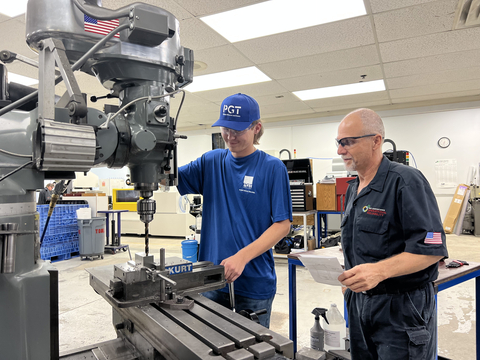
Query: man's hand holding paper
{"points": [[324, 269]]}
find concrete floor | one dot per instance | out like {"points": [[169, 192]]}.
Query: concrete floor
{"points": [[85, 318]]}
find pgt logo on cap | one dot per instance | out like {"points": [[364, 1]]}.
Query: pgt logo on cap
{"points": [[231, 110]]}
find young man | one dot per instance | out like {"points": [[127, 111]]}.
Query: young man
{"points": [[45, 195], [392, 239], [247, 207]]}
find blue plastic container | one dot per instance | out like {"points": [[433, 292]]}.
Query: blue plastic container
{"points": [[190, 250]]}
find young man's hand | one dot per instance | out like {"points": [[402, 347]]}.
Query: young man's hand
{"points": [[234, 266]]}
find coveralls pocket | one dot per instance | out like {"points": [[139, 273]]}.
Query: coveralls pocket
{"points": [[417, 346], [374, 229], [422, 306], [373, 225]]}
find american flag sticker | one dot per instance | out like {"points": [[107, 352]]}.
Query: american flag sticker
{"points": [[434, 238], [101, 27]]}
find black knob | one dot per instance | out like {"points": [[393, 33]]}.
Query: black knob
{"points": [[160, 111], [180, 60]]}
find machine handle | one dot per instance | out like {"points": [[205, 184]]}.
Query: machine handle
{"points": [[232, 295]]}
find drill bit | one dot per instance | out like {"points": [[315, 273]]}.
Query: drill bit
{"points": [[146, 239]]}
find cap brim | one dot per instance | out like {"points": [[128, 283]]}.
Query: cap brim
{"points": [[234, 125]]}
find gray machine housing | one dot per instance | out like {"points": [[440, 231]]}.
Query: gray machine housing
{"points": [[157, 315]]}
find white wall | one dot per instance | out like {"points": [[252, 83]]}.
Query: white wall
{"points": [[198, 142], [416, 133]]}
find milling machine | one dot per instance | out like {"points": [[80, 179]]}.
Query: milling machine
{"points": [[135, 53]]}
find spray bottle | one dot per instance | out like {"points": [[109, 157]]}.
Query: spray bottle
{"points": [[316, 332], [335, 329]]}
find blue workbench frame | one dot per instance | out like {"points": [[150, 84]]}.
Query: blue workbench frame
{"points": [[440, 285]]}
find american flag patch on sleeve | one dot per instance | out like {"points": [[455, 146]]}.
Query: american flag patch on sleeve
{"points": [[100, 27], [433, 238]]}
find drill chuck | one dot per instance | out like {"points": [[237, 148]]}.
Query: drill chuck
{"points": [[146, 209]]}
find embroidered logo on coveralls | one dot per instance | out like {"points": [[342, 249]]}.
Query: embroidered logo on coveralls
{"points": [[373, 211]]}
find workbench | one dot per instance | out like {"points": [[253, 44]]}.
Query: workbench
{"points": [[446, 279], [304, 215], [322, 218]]}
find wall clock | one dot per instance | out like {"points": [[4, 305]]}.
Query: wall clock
{"points": [[444, 142]]}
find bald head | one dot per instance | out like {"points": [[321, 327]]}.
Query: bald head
{"points": [[360, 137], [370, 122]]}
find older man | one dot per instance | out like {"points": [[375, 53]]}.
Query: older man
{"points": [[392, 238]]}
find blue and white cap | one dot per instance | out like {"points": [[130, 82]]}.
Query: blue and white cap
{"points": [[238, 112]]}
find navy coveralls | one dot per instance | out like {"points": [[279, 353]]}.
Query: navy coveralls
{"points": [[397, 212]]}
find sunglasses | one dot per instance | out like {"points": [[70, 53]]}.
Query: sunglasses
{"points": [[234, 133], [351, 140]]}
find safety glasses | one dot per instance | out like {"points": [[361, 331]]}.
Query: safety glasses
{"points": [[351, 140], [234, 133]]}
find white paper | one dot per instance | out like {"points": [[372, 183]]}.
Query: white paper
{"points": [[324, 269], [446, 173]]}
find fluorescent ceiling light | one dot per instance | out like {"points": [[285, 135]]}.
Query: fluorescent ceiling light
{"points": [[277, 16], [13, 8], [250, 75], [20, 79], [341, 90]]}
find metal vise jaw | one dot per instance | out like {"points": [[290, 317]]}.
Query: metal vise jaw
{"points": [[166, 283]]}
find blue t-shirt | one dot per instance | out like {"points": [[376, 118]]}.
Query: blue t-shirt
{"points": [[242, 197]]}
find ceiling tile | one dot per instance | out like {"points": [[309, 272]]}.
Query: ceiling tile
{"points": [[281, 109], [196, 35], [221, 58], [444, 88], [207, 7], [447, 96], [309, 41], [275, 99], [272, 116], [447, 42], [4, 18], [265, 88], [201, 118], [450, 61], [439, 77], [383, 5], [415, 21], [191, 109], [349, 99], [13, 38], [20, 68], [352, 106], [332, 78], [321, 63], [192, 103]]}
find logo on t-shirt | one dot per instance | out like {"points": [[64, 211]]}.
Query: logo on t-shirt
{"points": [[247, 184]]}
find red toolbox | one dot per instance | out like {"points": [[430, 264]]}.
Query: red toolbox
{"points": [[341, 190]]}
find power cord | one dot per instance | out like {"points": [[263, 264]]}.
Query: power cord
{"points": [[14, 171]]}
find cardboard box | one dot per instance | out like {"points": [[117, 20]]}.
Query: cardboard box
{"points": [[454, 209], [312, 244], [326, 197], [298, 220]]}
